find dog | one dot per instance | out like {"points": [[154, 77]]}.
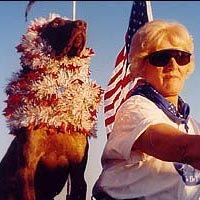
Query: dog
{"points": [[51, 110]]}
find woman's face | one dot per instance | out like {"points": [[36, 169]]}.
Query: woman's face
{"points": [[168, 80]]}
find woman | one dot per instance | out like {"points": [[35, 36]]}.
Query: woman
{"points": [[153, 152]]}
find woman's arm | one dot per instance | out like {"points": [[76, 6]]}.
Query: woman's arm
{"points": [[169, 144]]}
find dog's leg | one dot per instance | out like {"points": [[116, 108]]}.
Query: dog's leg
{"points": [[78, 183], [8, 168], [31, 151]]}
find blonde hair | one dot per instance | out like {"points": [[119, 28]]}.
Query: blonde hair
{"points": [[151, 35]]}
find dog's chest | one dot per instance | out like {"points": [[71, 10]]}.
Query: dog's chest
{"points": [[63, 148]]}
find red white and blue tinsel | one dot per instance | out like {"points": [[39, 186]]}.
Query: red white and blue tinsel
{"points": [[52, 93]]}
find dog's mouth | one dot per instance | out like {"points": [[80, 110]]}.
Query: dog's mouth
{"points": [[66, 37]]}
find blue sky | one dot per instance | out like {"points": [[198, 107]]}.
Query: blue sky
{"points": [[107, 23]]}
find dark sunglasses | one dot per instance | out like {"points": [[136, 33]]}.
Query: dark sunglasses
{"points": [[161, 58]]}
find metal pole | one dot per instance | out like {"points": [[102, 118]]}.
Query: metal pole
{"points": [[74, 10]]}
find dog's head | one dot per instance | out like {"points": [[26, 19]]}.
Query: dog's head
{"points": [[66, 37]]}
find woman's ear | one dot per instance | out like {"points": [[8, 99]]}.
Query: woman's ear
{"points": [[191, 65]]}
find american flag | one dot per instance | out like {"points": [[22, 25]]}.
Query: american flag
{"points": [[120, 84]]}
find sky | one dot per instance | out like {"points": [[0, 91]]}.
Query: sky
{"points": [[107, 23]]}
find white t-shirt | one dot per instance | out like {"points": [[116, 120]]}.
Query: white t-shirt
{"points": [[127, 174]]}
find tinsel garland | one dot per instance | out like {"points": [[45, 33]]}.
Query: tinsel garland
{"points": [[52, 93]]}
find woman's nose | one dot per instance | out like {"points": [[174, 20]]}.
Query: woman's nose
{"points": [[172, 64]]}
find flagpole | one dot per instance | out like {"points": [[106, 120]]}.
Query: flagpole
{"points": [[149, 11], [74, 10]]}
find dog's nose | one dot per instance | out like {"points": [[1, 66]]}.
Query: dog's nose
{"points": [[81, 24]]}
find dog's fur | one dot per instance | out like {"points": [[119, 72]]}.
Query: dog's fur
{"points": [[41, 158]]}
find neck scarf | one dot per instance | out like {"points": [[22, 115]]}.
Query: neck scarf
{"points": [[179, 116]]}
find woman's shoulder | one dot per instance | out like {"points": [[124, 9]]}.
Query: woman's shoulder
{"points": [[138, 101], [195, 124], [138, 106]]}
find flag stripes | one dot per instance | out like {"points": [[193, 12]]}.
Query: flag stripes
{"points": [[120, 85]]}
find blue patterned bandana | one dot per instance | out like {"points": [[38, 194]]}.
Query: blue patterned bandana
{"points": [[179, 116]]}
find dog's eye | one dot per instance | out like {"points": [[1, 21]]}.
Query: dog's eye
{"points": [[55, 24]]}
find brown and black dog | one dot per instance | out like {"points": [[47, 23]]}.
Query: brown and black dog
{"points": [[51, 110]]}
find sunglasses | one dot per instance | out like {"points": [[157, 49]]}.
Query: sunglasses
{"points": [[161, 58]]}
